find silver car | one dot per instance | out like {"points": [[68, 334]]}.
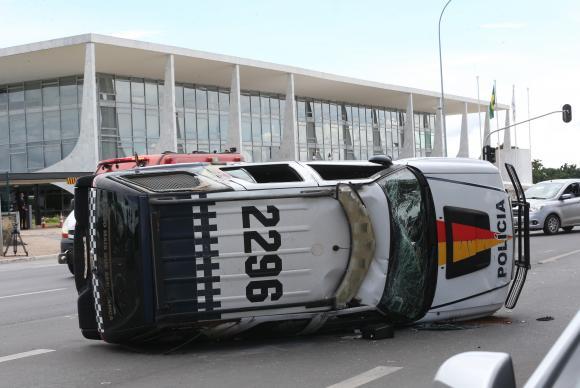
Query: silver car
{"points": [[554, 204]]}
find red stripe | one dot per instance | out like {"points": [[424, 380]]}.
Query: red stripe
{"points": [[441, 231], [467, 233]]}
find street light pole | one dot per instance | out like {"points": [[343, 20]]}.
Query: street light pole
{"points": [[442, 107]]}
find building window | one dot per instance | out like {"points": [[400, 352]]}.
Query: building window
{"points": [[39, 122]]}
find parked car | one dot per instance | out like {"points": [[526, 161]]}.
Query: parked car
{"points": [[130, 162], [554, 204], [66, 242], [559, 368]]}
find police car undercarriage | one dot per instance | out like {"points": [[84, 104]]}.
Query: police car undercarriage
{"points": [[298, 247]]}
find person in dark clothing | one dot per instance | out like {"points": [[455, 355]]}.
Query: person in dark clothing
{"points": [[22, 211]]}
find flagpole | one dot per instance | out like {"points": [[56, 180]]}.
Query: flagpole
{"points": [[442, 107], [497, 127], [529, 123], [479, 114], [514, 113]]}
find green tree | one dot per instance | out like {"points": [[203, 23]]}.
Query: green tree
{"points": [[565, 171]]}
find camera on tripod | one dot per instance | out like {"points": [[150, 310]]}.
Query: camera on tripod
{"points": [[15, 239]]}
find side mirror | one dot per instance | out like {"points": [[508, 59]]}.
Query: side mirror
{"points": [[566, 196], [476, 370]]}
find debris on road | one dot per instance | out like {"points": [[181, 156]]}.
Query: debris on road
{"points": [[545, 319]]}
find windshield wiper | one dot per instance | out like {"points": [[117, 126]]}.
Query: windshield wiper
{"points": [[537, 198]]}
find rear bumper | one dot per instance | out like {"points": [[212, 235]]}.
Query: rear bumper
{"points": [[66, 249]]}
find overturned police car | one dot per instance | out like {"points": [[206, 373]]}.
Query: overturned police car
{"points": [[220, 250]]}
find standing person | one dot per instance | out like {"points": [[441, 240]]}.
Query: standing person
{"points": [[22, 211]]}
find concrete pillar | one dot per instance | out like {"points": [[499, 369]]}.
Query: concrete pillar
{"points": [[486, 129], [288, 147], [408, 150], [235, 115], [85, 154], [89, 122], [437, 150], [464, 135], [168, 130], [507, 135]]}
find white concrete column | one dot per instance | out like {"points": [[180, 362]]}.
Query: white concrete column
{"points": [[288, 147], [408, 150], [464, 135], [89, 122], [437, 150], [235, 115], [85, 154], [486, 129], [168, 130], [507, 135]]}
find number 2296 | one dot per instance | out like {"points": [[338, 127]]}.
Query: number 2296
{"points": [[269, 265]]}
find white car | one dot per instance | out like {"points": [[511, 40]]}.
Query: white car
{"points": [[67, 242], [220, 250]]}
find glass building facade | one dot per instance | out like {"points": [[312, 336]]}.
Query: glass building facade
{"points": [[128, 115], [40, 121]]}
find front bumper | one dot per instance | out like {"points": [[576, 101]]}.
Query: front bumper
{"points": [[536, 221]]}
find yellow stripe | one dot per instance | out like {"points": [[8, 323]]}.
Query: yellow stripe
{"points": [[442, 253], [465, 249]]}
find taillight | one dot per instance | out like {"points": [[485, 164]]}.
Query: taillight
{"points": [[64, 235]]}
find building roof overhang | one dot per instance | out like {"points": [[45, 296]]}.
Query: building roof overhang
{"points": [[65, 56]]}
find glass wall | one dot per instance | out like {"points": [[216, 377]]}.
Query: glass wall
{"points": [[202, 118], [424, 133], [39, 122], [262, 120], [332, 131], [128, 115]]}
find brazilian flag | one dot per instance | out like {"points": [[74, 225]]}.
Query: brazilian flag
{"points": [[492, 103]]}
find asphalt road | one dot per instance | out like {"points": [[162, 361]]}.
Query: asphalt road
{"points": [[40, 345]]}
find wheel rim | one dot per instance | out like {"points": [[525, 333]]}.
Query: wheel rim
{"points": [[553, 224]]}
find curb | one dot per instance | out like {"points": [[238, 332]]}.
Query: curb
{"points": [[19, 259]]}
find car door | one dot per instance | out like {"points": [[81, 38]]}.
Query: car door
{"points": [[571, 207]]}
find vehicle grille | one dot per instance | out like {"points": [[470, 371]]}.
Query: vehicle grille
{"points": [[161, 183]]}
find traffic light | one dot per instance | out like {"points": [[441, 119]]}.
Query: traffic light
{"points": [[489, 153], [567, 113]]}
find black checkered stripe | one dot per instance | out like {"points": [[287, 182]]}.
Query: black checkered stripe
{"points": [[93, 258], [205, 250]]}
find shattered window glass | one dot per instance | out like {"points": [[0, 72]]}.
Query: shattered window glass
{"points": [[405, 291]]}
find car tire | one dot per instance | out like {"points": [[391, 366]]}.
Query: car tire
{"points": [[552, 224], [567, 229], [70, 265]]}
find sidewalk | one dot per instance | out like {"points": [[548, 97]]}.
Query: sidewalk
{"points": [[39, 243]]}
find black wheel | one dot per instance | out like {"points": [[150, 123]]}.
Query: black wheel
{"points": [[552, 224], [567, 229], [70, 265]]}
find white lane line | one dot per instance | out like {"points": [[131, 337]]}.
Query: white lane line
{"points": [[366, 377], [31, 353], [32, 293], [13, 267], [554, 258]]}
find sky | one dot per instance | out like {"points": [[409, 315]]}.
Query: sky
{"points": [[530, 44]]}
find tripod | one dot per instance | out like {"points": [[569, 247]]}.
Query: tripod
{"points": [[15, 237]]}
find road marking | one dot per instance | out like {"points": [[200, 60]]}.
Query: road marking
{"points": [[32, 293], [366, 377], [31, 353], [12, 267], [555, 258]]}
